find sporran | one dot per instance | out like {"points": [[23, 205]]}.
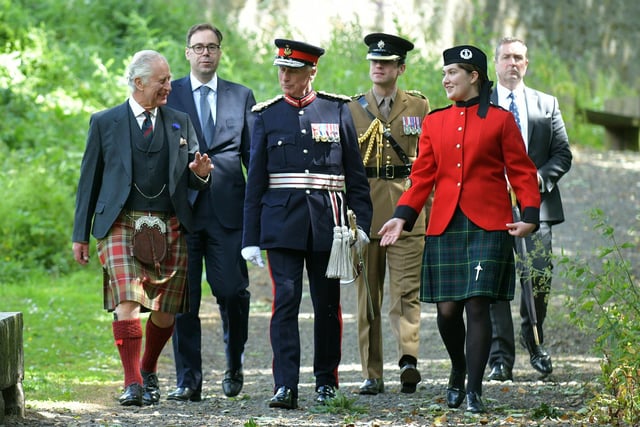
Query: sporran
{"points": [[150, 241]]}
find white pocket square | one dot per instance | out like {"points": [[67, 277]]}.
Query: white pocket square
{"points": [[183, 142]]}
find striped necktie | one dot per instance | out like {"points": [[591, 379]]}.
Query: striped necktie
{"points": [[147, 126], [513, 107]]}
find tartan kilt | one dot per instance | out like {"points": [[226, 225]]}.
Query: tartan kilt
{"points": [[123, 273], [467, 261]]}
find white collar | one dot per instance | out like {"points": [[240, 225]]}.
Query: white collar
{"points": [[139, 109], [196, 84], [503, 92]]}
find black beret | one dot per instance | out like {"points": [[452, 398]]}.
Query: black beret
{"points": [[466, 54], [296, 54], [386, 47]]}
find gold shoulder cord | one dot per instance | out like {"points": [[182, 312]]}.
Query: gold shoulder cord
{"points": [[374, 135]]}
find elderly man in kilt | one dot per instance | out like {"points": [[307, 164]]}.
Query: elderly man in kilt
{"points": [[140, 159]]}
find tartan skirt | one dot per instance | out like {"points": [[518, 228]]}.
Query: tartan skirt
{"points": [[127, 279], [467, 261]]}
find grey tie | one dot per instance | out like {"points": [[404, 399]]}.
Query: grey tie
{"points": [[206, 120]]}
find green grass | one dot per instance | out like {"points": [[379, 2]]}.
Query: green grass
{"points": [[68, 344], [69, 353], [340, 404]]}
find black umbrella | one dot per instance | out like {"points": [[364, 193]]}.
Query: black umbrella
{"points": [[524, 271]]}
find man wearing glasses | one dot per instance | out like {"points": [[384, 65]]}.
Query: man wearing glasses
{"points": [[221, 113]]}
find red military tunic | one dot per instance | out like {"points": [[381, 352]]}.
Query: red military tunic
{"points": [[466, 157]]}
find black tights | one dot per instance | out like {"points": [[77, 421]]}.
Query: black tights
{"points": [[478, 337]]}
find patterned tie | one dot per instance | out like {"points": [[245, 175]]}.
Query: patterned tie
{"points": [[513, 107], [206, 120], [147, 126]]}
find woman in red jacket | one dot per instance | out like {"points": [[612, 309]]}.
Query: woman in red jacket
{"points": [[466, 151]]}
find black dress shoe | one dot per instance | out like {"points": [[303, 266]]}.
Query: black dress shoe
{"points": [[284, 398], [325, 393], [538, 356], [455, 388], [409, 378], [474, 403], [232, 382], [500, 372], [132, 395], [184, 394], [372, 386], [151, 388]]}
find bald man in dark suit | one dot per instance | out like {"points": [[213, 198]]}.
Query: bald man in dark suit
{"points": [[545, 137]]}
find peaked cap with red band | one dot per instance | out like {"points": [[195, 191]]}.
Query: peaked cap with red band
{"points": [[296, 54]]}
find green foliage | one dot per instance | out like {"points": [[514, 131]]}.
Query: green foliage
{"points": [[36, 214], [62, 60], [546, 411], [251, 423], [340, 404], [610, 303], [68, 345]]}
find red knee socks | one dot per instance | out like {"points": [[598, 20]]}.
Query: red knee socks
{"points": [[128, 337], [156, 338]]}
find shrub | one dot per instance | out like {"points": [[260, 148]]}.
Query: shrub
{"points": [[37, 212], [62, 61], [609, 302]]}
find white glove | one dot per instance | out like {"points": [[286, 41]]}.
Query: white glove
{"points": [[361, 239], [253, 255]]}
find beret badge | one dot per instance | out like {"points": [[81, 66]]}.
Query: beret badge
{"points": [[466, 54]]}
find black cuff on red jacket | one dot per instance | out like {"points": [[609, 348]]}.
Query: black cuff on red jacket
{"points": [[532, 216], [408, 214]]}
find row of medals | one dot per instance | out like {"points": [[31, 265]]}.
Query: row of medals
{"points": [[330, 132]]}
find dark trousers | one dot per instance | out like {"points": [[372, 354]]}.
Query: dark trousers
{"points": [[286, 267], [227, 275], [503, 340]]}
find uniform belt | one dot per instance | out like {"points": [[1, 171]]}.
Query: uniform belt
{"points": [[388, 172], [315, 181]]}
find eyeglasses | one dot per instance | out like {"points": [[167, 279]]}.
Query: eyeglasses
{"points": [[199, 48]]}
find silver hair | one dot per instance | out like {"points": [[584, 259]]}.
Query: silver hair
{"points": [[141, 66]]}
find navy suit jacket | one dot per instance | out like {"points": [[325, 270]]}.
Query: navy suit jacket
{"points": [[548, 149], [231, 144], [106, 177]]}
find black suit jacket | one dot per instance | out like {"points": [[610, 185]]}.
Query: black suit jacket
{"points": [[548, 149], [106, 177], [231, 143]]}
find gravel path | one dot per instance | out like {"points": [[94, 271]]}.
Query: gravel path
{"points": [[609, 181]]}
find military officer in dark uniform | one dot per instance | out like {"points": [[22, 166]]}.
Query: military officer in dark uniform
{"points": [[304, 171], [388, 121]]}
